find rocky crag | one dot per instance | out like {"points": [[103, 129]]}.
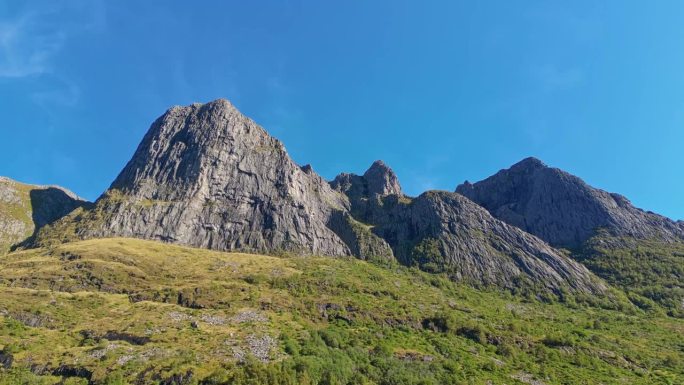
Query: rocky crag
{"points": [[26, 208], [445, 232], [205, 175], [562, 209]]}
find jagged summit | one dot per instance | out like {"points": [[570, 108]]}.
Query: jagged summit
{"points": [[529, 163], [186, 140], [382, 180], [561, 208], [205, 175], [456, 236], [378, 181]]}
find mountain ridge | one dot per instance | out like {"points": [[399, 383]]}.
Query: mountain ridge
{"points": [[25, 208], [561, 208], [205, 175]]}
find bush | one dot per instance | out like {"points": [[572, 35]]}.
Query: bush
{"points": [[474, 333]]}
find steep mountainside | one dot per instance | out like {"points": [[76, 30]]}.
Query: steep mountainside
{"points": [[562, 209], [25, 208], [638, 251], [207, 176], [445, 232]]}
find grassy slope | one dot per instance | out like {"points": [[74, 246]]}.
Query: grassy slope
{"points": [[651, 272], [129, 311]]}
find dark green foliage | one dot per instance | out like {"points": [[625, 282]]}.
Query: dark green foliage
{"points": [[474, 333], [651, 272], [332, 321], [428, 256]]}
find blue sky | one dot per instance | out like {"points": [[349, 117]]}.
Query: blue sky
{"points": [[441, 91]]}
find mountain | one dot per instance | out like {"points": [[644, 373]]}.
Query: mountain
{"points": [[25, 208], [561, 208], [639, 251], [445, 232], [445, 287], [207, 176]]}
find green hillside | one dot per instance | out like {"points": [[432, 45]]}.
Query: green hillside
{"points": [[121, 311], [16, 223], [651, 272]]}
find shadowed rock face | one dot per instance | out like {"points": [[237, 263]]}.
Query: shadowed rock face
{"points": [[24, 209], [468, 243], [207, 176], [477, 248], [561, 208], [381, 180], [365, 192]]}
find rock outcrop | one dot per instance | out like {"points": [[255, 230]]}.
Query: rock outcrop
{"points": [[445, 232], [562, 209], [26, 208], [207, 176]]}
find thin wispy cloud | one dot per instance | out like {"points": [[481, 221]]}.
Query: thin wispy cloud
{"points": [[27, 47], [32, 38]]}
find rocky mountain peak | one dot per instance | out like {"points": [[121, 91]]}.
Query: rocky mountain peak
{"points": [[561, 208], [381, 180], [206, 175], [529, 164]]}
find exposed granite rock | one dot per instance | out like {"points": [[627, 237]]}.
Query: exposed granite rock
{"points": [[26, 208], [446, 232], [205, 175], [366, 192], [562, 209], [381, 180], [362, 242]]}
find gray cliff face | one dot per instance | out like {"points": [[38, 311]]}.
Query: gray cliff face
{"points": [[24, 209], [476, 248], [207, 176], [365, 193], [561, 208], [381, 180], [446, 232]]}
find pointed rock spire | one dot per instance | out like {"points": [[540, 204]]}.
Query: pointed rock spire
{"points": [[381, 180], [206, 175]]}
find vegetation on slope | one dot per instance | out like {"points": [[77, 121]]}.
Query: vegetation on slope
{"points": [[15, 213], [121, 311], [651, 272]]}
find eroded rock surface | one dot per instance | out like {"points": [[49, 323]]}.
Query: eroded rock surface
{"points": [[205, 175], [446, 232], [561, 208]]}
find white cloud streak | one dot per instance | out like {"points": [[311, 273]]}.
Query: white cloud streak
{"points": [[33, 37]]}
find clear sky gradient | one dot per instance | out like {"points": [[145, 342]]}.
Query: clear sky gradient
{"points": [[442, 91]]}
